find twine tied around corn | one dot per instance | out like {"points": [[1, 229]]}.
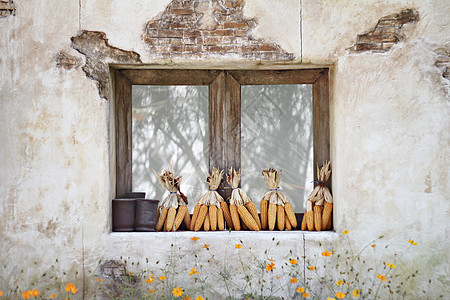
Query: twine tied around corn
{"points": [[172, 184], [321, 192], [238, 195], [212, 197], [274, 194]]}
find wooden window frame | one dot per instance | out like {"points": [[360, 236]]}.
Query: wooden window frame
{"points": [[224, 111]]}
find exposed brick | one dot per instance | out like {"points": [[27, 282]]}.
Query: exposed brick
{"points": [[212, 40], [176, 41], [182, 11], [176, 48], [192, 33], [235, 25], [169, 33], [66, 61], [7, 8], [368, 46], [386, 33], [268, 47], [192, 48]]}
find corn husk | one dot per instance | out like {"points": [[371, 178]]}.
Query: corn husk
{"points": [[321, 193], [240, 198], [274, 195], [175, 198]]}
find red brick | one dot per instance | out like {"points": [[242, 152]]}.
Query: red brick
{"points": [[192, 48], [182, 11], [235, 25], [170, 33], [212, 41], [252, 48], [367, 46], [269, 47], [176, 48], [377, 38], [223, 32], [192, 33], [176, 41]]}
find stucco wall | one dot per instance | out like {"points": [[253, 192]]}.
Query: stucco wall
{"points": [[389, 134]]}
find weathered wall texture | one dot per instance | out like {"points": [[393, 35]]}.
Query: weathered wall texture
{"points": [[389, 124]]}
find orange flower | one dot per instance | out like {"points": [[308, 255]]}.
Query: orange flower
{"points": [[300, 290], [312, 268], [381, 277], [373, 245], [326, 253], [339, 282], [340, 295], [293, 280], [162, 278], [199, 298], [99, 279], [238, 246], [187, 298], [52, 296], [271, 259], [305, 295], [412, 242], [1, 293], [293, 261], [70, 287], [192, 272], [270, 267], [26, 294], [152, 291], [277, 277], [150, 279], [34, 293], [195, 238], [345, 232], [205, 246], [177, 292]]}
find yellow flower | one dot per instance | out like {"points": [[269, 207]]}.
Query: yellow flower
{"points": [[328, 298], [373, 245], [339, 282], [356, 293], [305, 295], [177, 292], [99, 279], [238, 246], [312, 268], [192, 272], [326, 253], [381, 277], [199, 298], [270, 267], [345, 232], [70, 287], [162, 278], [205, 246], [293, 261], [392, 266], [152, 291], [340, 295], [195, 238], [412, 242], [52, 296], [293, 280], [300, 290], [150, 279]]}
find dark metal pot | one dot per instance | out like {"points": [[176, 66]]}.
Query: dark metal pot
{"points": [[123, 211], [134, 195], [146, 214]]}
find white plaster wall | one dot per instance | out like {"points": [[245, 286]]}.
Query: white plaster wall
{"points": [[389, 135]]}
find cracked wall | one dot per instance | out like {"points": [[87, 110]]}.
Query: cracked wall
{"points": [[389, 125]]}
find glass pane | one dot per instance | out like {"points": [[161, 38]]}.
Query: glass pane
{"points": [[277, 131], [170, 129]]}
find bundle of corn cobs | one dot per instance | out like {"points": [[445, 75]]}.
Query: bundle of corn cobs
{"points": [[172, 211], [242, 207], [275, 206], [210, 210], [319, 205]]}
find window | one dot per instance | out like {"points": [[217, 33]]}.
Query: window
{"points": [[198, 119]]}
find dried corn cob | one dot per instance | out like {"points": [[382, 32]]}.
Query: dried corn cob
{"points": [[290, 214], [303, 226], [181, 213], [330, 223], [195, 215], [170, 219], [226, 214], [206, 223], [318, 216], [213, 217], [252, 210], [272, 215], [201, 217], [161, 219], [243, 226], [263, 210], [220, 221], [287, 225], [326, 215], [280, 217], [187, 220], [235, 217], [247, 218]]}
